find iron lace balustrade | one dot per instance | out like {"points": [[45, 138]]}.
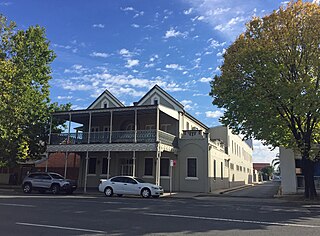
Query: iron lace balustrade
{"points": [[142, 136]]}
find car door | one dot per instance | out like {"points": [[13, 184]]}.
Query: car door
{"points": [[117, 184], [46, 181], [131, 187]]}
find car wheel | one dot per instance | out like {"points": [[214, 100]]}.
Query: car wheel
{"points": [[108, 191], [55, 189], [119, 195], [27, 188], [145, 193]]}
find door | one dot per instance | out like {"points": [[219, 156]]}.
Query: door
{"points": [[126, 167]]}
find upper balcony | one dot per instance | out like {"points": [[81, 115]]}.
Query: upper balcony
{"points": [[141, 136], [143, 124]]}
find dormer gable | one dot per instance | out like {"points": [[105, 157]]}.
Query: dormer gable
{"points": [[105, 100], [157, 95]]}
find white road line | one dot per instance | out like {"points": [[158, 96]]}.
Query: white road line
{"points": [[17, 205], [233, 220], [61, 227]]}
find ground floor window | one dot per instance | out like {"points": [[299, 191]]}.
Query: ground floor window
{"points": [[192, 167], [148, 166], [92, 166], [164, 166]]}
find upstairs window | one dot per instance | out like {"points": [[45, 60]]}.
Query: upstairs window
{"points": [[155, 100]]}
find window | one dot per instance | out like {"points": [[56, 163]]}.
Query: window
{"points": [[221, 170], [187, 125], [130, 126], [165, 127], [148, 166], [94, 129], [231, 166], [92, 165], [164, 166], [192, 167], [214, 169], [106, 128], [104, 104], [104, 166], [237, 168], [150, 127], [155, 100]]}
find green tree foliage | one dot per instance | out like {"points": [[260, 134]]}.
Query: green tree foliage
{"points": [[267, 172], [25, 108], [269, 85]]}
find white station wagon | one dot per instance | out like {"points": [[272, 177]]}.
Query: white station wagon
{"points": [[128, 185]]}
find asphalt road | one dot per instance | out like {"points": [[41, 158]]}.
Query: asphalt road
{"points": [[82, 215], [263, 190]]}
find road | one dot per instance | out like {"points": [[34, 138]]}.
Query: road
{"points": [[263, 190], [97, 215]]}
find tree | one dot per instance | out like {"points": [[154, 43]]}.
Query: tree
{"points": [[25, 107], [269, 82], [267, 172]]}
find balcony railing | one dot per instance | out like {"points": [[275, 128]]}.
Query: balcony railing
{"points": [[142, 136]]}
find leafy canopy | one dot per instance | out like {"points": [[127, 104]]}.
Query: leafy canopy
{"points": [[25, 107], [269, 85]]}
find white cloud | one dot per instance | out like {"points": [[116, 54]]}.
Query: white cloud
{"points": [[174, 67], [149, 65], [220, 54], [205, 80], [200, 95], [101, 26], [127, 9], [64, 97], [187, 104], [218, 11], [173, 33], [187, 12], [78, 69], [99, 54], [135, 26], [262, 153], [215, 43], [214, 114], [131, 63]]}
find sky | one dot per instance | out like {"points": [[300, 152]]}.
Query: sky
{"points": [[129, 46]]}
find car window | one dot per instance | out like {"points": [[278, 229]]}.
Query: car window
{"points": [[130, 181], [118, 179], [139, 180], [56, 176], [44, 176], [37, 176]]}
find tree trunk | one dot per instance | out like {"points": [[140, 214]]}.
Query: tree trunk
{"points": [[308, 171]]}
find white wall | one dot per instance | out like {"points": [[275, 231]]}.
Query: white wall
{"points": [[288, 171]]}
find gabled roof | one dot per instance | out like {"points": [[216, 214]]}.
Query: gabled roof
{"points": [[109, 95], [161, 91]]}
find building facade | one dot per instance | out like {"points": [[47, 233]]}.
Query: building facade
{"points": [[156, 140]]}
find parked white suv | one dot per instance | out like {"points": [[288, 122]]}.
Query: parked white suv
{"points": [[43, 181], [129, 186]]}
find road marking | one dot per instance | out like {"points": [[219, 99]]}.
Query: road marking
{"points": [[18, 205], [232, 220], [60, 227]]}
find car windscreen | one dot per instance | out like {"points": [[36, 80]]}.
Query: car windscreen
{"points": [[140, 180], [56, 176]]}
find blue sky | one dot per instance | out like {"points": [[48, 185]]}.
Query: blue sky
{"points": [[129, 46]]}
